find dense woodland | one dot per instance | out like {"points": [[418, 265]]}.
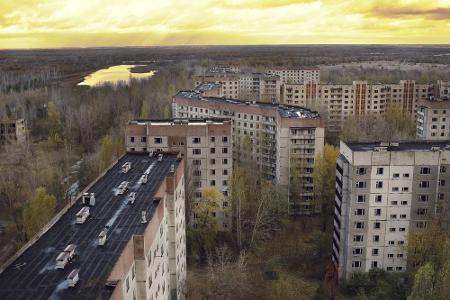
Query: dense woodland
{"points": [[76, 132]]}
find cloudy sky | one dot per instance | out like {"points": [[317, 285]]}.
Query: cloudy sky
{"points": [[84, 23]]}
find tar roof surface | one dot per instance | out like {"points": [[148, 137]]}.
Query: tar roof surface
{"points": [[402, 146], [286, 111], [38, 278]]}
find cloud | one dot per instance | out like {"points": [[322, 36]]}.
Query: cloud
{"points": [[399, 12], [60, 23]]}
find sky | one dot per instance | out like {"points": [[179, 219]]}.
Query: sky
{"points": [[102, 23]]}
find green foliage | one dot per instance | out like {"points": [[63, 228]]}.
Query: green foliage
{"points": [[423, 287], [86, 173], [324, 182], [393, 125], [106, 153], [38, 211], [378, 284]]}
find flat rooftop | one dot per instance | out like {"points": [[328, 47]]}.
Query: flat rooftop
{"points": [[33, 275], [286, 111], [179, 121], [208, 86], [402, 146]]}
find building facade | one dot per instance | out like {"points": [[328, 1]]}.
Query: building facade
{"points": [[13, 131], [129, 245], [433, 119], [279, 138], [248, 86], [296, 75], [337, 102], [384, 192], [207, 146]]}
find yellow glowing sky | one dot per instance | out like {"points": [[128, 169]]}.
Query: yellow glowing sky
{"points": [[92, 23]]}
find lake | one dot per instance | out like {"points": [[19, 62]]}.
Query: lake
{"points": [[114, 75]]}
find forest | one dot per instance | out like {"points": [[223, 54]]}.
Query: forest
{"points": [[76, 132]]}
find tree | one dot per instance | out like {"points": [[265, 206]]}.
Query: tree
{"points": [[423, 287], [106, 153], [38, 211], [325, 181]]}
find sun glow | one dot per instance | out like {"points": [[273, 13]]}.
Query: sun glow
{"points": [[84, 23]]}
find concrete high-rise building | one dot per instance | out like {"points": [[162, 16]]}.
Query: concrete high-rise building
{"points": [[229, 82], [384, 192], [433, 119], [246, 86], [124, 238], [13, 131], [337, 102], [296, 75], [280, 138], [207, 146]]}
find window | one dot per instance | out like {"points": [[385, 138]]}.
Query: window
{"points": [[443, 169], [213, 139], [212, 161], [379, 184], [378, 198], [380, 171], [361, 171], [196, 151], [374, 264], [359, 225], [157, 140], [404, 202], [356, 264], [391, 242], [213, 172], [377, 212], [375, 252], [224, 150], [212, 150], [392, 229], [424, 184], [357, 251], [225, 161], [196, 162], [376, 225], [361, 184], [225, 139], [405, 189], [393, 216], [422, 211], [132, 139], [358, 238], [361, 198], [376, 238], [225, 172], [360, 212], [403, 216], [406, 175], [425, 171], [402, 229], [212, 183], [224, 183], [196, 140], [396, 175], [424, 198], [395, 188], [390, 255], [144, 139]]}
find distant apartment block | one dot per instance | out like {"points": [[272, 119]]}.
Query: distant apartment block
{"points": [[207, 147], [384, 192], [123, 239], [295, 75], [248, 86], [340, 101], [225, 68], [433, 119], [443, 90], [229, 82], [13, 131], [210, 89], [281, 138]]}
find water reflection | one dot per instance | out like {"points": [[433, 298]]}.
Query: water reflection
{"points": [[114, 75]]}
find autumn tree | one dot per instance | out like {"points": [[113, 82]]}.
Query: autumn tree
{"points": [[325, 181], [38, 211], [106, 153]]}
